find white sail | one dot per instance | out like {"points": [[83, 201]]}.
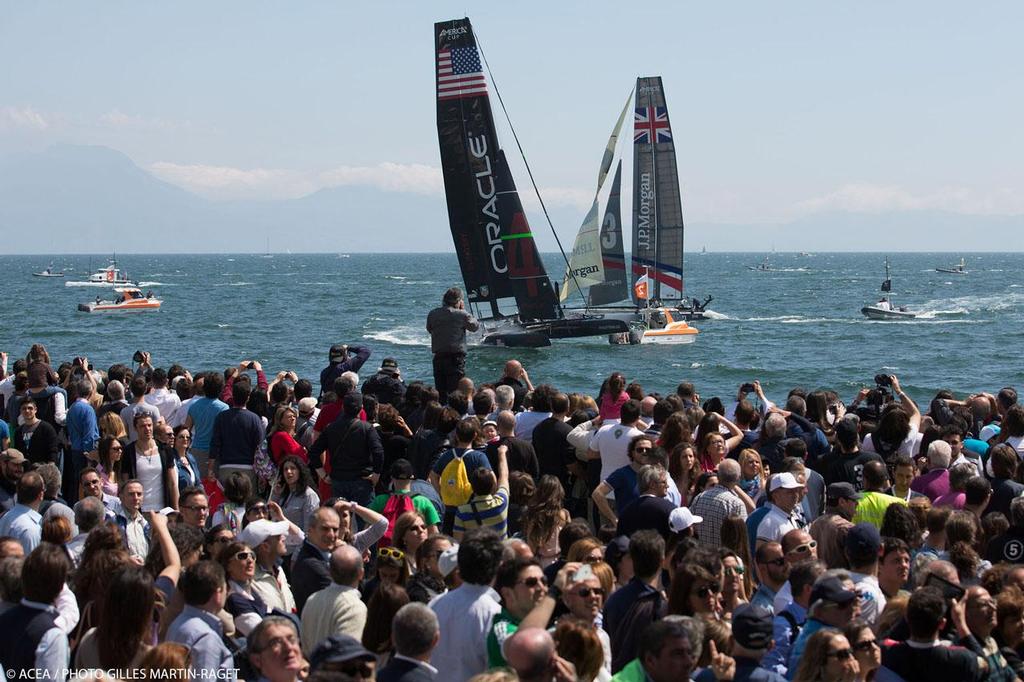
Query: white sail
{"points": [[586, 267]]}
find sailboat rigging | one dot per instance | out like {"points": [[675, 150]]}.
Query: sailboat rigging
{"points": [[497, 253]]}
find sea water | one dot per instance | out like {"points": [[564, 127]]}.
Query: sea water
{"points": [[796, 325]]}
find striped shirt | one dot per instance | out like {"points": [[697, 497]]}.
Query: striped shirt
{"points": [[488, 511]]}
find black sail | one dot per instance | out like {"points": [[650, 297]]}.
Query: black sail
{"points": [[469, 149], [615, 286], [496, 250]]}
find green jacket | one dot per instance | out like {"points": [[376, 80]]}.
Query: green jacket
{"points": [[633, 672]]}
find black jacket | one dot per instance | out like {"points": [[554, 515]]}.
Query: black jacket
{"points": [[354, 446], [400, 670], [386, 388], [310, 573]]}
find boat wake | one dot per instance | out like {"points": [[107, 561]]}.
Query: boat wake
{"points": [[233, 284], [401, 336], [714, 315]]}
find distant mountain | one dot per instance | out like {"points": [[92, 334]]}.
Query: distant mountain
{"points": [[85, 199]]}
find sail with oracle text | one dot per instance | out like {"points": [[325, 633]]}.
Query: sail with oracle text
{"points": [[657, 205], [496, 250]]}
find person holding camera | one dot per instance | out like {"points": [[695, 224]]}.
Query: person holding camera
{"points": [[342, 358], [898, 431], [447, 325]]}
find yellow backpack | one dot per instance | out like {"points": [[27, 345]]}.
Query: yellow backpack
{"points": [[455, 487]]}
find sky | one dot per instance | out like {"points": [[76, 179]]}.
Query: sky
{"points": [[779, 110]]}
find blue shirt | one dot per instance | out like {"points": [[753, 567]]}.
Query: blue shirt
{"points": [[623, 483], [83, 429], [810, 627], [203, 411], [746, 669], [764, 597], [782, 632], [201, 632], [237, 434], [24, 524]]}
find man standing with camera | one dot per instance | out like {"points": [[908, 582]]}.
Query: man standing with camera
{"points": [[343, 358], [448, 325]]}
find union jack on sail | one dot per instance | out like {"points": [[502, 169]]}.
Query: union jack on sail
{"points": [[648, 121]]}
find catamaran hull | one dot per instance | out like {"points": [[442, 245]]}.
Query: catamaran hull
{"points": [[873, 313], [512, 334], [951, 271]]}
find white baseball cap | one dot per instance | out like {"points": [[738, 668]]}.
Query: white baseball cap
{"points": [[989, 431], [448, 561], [261, 530], [682, 518], [786, 480]]}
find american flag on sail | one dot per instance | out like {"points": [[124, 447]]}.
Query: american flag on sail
{"points": [[651, 121], [459, 74]]}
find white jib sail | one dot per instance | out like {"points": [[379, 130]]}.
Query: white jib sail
{"points": [[585, 265]]}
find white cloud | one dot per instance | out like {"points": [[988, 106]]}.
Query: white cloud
{"points": [[416, 178], [224, 182], [12, 118], [868, 198], [117, 119]]}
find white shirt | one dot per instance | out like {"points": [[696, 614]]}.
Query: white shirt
{"points": [[180, 413], [908, 447], [612, 441], [150, 471], [465, 616], [163, 400], [135, 534], [872, 599], [774, 525]]}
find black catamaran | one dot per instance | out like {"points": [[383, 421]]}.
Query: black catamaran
{"points": [[497, 253]]}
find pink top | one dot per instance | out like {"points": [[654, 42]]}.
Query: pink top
{"points": [[611, 409], [934, 484], [951, 499]]}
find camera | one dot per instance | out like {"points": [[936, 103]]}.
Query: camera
{"points": [[250, 365], [747, 388], [137, 356], [883, 379]]}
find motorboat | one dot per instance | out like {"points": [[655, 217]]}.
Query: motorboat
{"points": [[129, 300], [48, 272], [884, 309], [958, 269], [109, 276], [763, 266], [657, 325]]}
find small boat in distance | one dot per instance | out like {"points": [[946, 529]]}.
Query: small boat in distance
{"points": [[958, 269], [48, 272], [109, 276], [763, 266], [130, 300], [884, 309]]}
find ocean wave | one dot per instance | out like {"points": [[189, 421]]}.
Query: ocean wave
{"points": [[233, 284], [154, 284]]}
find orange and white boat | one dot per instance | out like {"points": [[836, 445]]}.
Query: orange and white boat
{"points": [[129, 300], [663, 328], [655, 325]]}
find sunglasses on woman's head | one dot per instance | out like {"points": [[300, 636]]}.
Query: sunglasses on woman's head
{"points": [[391, 553]]}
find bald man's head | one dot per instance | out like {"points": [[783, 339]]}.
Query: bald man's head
{"points": [[530, 652], [347, 566]]}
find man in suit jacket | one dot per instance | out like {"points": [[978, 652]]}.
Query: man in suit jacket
{"points": [[337, 609], [415, 632], [310, 571]]}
